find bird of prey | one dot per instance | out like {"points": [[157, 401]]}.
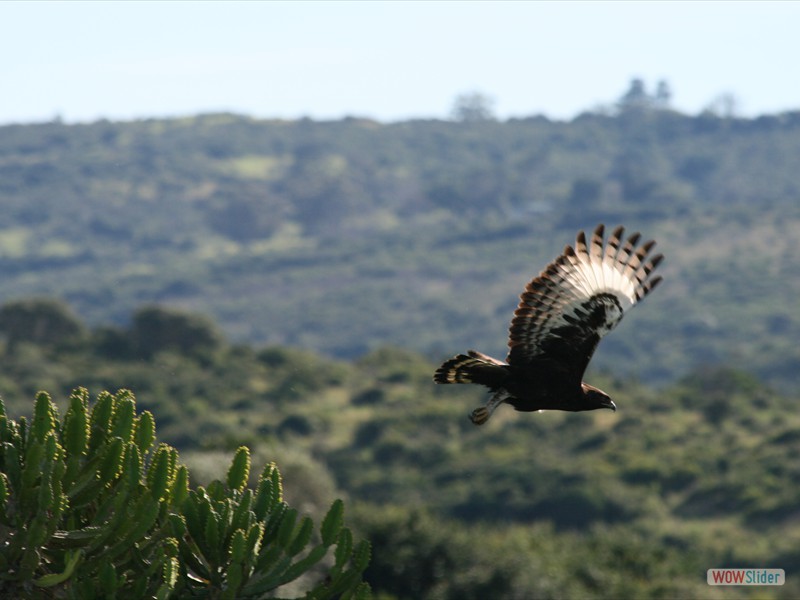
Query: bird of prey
{"points": [[562, 315]]}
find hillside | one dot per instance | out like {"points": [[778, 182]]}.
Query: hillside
{"points": [[634, 504], [342, 237]]}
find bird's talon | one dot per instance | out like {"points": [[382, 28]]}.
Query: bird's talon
{"points": [[479, 416]]}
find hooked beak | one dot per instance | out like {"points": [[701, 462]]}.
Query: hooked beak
{"points": [[610, 404]]}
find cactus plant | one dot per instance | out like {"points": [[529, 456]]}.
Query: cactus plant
{"points": [[92, 507]]}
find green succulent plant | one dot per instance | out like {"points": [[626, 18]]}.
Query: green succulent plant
{"points": [[92, 507]]}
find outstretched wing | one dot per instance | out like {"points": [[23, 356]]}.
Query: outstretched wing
{"points": [[581, 296]]}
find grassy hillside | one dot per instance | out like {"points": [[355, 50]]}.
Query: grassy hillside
{"points": [[639, 503], [345, 236]]}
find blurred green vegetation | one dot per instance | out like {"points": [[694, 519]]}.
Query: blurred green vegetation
{"points": [[344, 236], [703, 472]]}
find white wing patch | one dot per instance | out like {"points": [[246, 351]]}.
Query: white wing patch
{"points": [[583, 293]]}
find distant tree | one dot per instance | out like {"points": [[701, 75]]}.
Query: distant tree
{"points": [[112, 343], [324, 189], [698, 168], [155, 329], [663, 96], [725, 105], [245, 219], [636, 98], [639, 172], [473, 107], [39, 321]]}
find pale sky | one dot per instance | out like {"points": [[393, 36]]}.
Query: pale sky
{"points": [[391, 61]]}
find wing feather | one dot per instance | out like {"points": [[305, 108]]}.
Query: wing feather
{"points": [[581, 296], [610, 256], [596, 257]]}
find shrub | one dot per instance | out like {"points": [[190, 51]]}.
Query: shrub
{"points": [[91, 507]]}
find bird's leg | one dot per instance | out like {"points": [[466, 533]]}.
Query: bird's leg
{"points": [[480, 415]]}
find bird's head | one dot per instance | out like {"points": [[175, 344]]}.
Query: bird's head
{"points": [[595, 398]]}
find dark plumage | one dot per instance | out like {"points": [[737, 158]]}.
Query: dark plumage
{"points": [[562, 315]]}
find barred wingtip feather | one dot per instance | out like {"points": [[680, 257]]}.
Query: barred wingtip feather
{"points": [[607, 275]]}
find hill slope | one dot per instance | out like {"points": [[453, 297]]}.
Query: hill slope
{"points": [[344, 236], [636, 504]]}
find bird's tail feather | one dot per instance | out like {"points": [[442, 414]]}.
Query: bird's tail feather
{"points": [[473, 367]]}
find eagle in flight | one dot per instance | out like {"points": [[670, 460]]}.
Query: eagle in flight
{"points": [[562, 315]]}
